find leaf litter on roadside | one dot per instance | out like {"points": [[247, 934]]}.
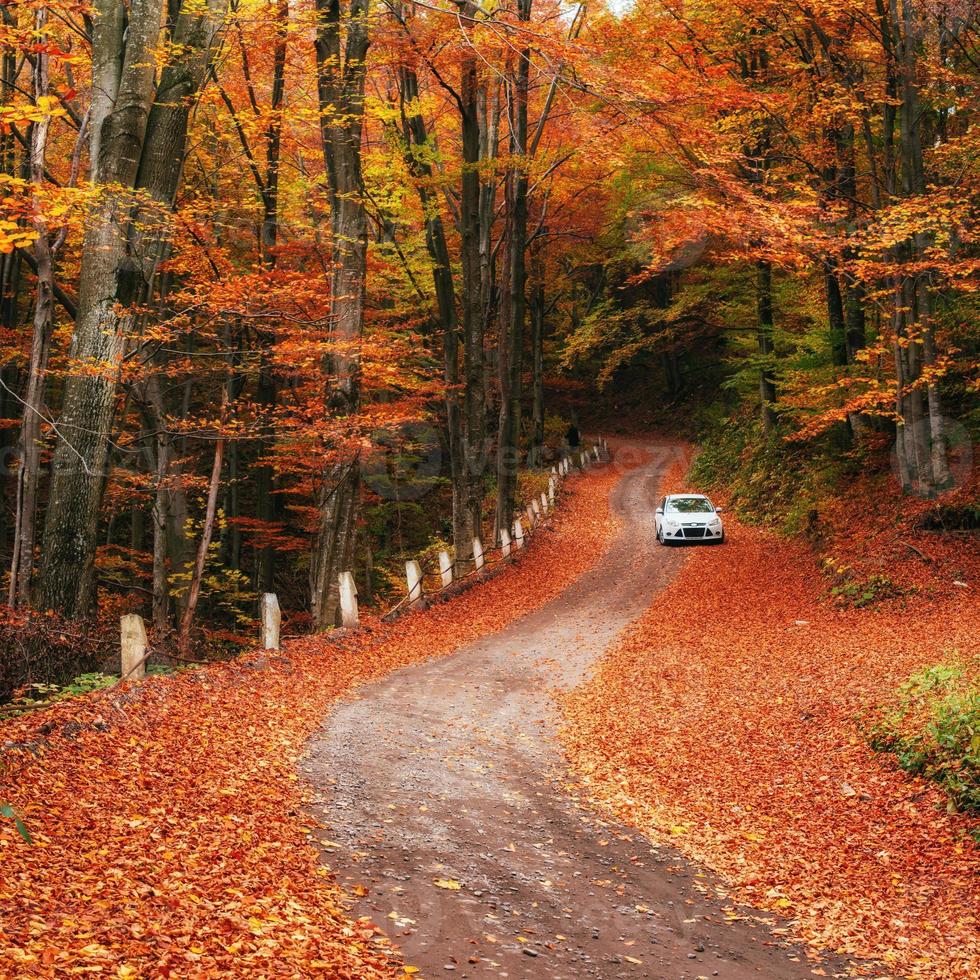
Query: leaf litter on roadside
{"points": [[169, 818], [721, 724]]}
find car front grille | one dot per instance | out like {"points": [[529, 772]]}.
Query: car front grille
{"points": [[694, 532]]}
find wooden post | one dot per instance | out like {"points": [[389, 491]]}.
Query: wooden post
{"points": [[505, 542], [536, 507], [530, 516], [595, 449], [554, 471], [271, 619], [413, 575], [446, 569], [478, 561], [132, 636], [518, 534], [544, 503], [551, 490], [349, 615]]}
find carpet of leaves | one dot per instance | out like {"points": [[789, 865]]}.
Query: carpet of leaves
{"points": [[171, 835], [728, 720]]}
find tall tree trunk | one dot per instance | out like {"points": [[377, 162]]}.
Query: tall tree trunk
{"points": [[417, 157], [767, 381], [29, 471], [474, 366], [138, 138], [267, 509], [340, 84], [514, 309], [924, 436], [536, 455]]}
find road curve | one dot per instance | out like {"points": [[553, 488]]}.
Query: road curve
{"points": [[442, 791]]}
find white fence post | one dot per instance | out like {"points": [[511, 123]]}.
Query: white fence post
{"points": [[595, 449], [504, 542], [530, 516], [413, 576], [536, 507], [446, 569], [349, 615], [478, 561], [551, 490], [132, 637], [518, 534], [271, 617], [544, 503]]}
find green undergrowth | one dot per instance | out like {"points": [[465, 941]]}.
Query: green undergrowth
{"points": [[933, 729], [766, 479], [33, 696]]}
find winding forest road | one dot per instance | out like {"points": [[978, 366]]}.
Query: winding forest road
{"points": [[443, 788]]}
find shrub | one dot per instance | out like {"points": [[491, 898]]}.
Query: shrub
{"points": [[933, 729]]}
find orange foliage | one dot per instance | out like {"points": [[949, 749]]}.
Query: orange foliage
{"points": [[726, 720], [170, 829]]}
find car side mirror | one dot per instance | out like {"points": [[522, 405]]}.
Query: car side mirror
{"points": [[719, 510], [660, 512]]}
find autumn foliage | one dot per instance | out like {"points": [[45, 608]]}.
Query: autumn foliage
{"points": [[733, 721], [171, 837]]}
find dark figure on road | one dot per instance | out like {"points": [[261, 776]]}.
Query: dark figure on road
{"points": [[572, 437]]}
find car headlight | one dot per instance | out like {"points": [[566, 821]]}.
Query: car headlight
{"points": [[716, 522]]}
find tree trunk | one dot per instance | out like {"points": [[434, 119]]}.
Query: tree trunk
{"points": [[536, 455], [138, 139], [474, 367], [514, 309], [926, 457], [340, 84], [267, 509], [417, 159], [29, 471], [767, 381]]}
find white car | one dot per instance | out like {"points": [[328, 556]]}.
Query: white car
{"points": [[688, 517]]}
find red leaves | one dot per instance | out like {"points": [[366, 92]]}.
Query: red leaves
{"points": [[169, 817], [730, 717]]}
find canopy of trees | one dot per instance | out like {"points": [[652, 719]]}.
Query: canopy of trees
{"points": [[270, 271]]}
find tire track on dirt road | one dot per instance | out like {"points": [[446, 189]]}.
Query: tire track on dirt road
{"points": [[443, 792]]}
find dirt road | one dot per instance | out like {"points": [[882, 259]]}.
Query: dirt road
{"points": [[444, 795]]}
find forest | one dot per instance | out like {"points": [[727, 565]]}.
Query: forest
{"points": [[401, 325], [294, 287]]}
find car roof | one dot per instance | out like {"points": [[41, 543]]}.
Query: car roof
{"points": [[703, 496]]}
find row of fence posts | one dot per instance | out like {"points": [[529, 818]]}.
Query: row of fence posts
{"points": [[135, 646]]}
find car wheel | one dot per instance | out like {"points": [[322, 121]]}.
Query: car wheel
{"points": [[660, 536]]}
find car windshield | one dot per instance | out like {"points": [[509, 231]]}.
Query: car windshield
{"points": [[689, 505]]}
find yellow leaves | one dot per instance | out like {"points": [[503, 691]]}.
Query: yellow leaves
{"points": [[47, 107], [13, 235], [448, 884]]}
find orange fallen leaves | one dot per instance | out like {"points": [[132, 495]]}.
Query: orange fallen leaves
{"points": [[731, 710], [172, 838]]}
